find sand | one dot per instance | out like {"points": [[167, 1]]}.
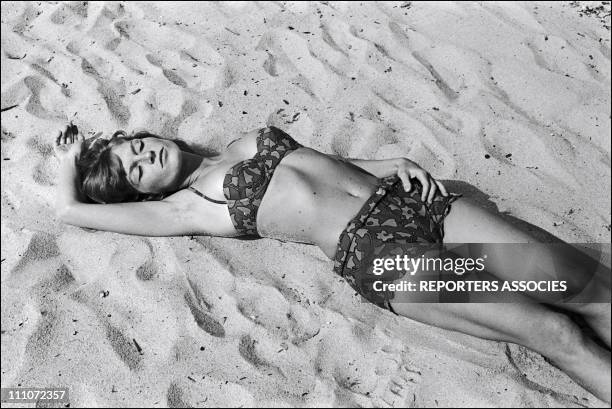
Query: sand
{"points": [[509, 101]]}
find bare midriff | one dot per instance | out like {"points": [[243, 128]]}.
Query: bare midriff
{"points": [[312, 197]]}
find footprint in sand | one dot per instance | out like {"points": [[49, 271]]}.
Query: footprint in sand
{"points": [[59, 281], [42, 246], [7, 135], [73, 12], [269, 65], [110, 96], [34, 105], [397, 380], [205, 321], [376, 371], [172, 125], [286, 367], [110, 92], [248, 350], [305, 85], [148, 270], [521, 360], [40, 175], [42, 172], [41, 317], [42, 337], [399, 383], [102, 28], [303, 325], [28, 15], [126, 348], [169, 74], [44, 295], [46, 73], [402, 38], [175, 397], [329, 40], [113, 44], [278, 62]]}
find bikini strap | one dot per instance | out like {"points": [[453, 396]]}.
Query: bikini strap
{"points": [[197, 192]]}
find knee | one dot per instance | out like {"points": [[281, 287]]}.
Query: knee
{"points": [[558, 338], [593, 310]]}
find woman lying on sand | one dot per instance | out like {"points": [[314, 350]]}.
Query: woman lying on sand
{"points": [[267, 184]]}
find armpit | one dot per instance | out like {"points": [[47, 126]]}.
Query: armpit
{"points": [[229, 144]]}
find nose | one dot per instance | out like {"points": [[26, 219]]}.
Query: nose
{"points": [[147, 157]]}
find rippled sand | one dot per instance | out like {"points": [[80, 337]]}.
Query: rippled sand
{"points": [[508, 101]]}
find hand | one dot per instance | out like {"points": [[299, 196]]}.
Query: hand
{"points": [[407, 170], [68, 143]]}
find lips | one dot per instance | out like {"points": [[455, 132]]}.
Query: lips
{"points": [[161, 157]]}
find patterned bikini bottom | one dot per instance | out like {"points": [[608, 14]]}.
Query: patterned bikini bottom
{"points": [[391, 220]]}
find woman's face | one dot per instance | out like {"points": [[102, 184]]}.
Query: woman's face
{"points": [[151, 165]]}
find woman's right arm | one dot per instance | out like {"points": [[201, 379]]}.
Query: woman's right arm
{"points": [[155, 218], [174, 216]]}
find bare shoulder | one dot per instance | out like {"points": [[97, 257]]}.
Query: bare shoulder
{"points": [[245, 145]]}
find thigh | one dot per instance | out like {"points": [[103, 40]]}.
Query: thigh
{"points": [[525, 258], [469, 222]]}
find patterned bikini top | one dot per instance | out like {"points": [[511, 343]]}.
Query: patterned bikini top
{"points": [[246, 182]]}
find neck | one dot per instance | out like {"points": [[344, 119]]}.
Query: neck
{"points": [[194, 166]]}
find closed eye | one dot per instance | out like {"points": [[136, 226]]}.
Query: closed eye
{"points": [[135, 151], [136, 174]]}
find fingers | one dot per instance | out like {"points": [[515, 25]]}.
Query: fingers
{"points": [[430, 186], [432, 191], [74, 131], [72, 134], [442, 188], [65, 134], [423, 177], [405, 178], [69, 135]]}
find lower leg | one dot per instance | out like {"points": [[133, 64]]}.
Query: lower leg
{"points": [[581, 358], [532, 325]]}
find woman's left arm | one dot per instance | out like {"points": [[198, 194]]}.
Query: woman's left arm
{"points": [[406, 170]]}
